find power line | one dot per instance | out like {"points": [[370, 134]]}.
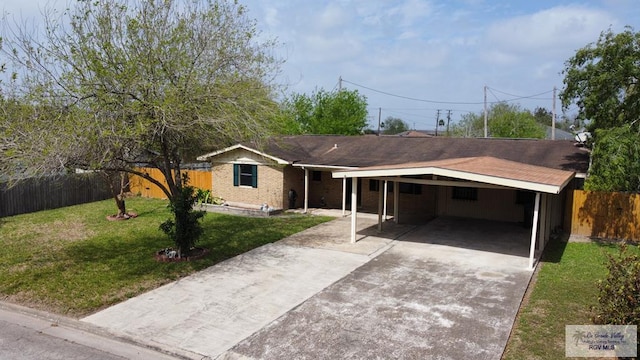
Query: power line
{"points": [[422, 109], [411, 98], [494, 95], [517, 97], [449, 102]]}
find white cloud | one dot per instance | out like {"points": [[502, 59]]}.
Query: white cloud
{"points": [[546, 70], [428, 49], [332, 17], [498, 57], [407, 35], [324, 49], [550, 32], [271, 17], [419, 55], [410, 12]]}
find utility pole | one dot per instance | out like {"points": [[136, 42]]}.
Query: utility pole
{"points": [[379, 116], [448, 120], [437, 121], [553, 115], [339, 83], [485, 111]]}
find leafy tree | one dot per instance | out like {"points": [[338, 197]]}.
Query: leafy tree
{"points": [[338, 113], [3, 66], [470, 125], [615, 164], [602, 80], [543, 116], [510, 121], [504, 120], [118, 83], [570, 123], [393, 125]]}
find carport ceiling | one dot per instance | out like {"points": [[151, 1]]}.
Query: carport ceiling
{"points": [[483, 169]]}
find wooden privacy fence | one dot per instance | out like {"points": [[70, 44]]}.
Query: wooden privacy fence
{"points": [[38, 194], [197, 178], [606, 215]]}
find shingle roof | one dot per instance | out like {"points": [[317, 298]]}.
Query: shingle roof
{"points": [[483, 169], [371, 150]]}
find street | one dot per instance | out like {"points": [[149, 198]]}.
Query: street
{"points": [[22, 343], [27, 334]]}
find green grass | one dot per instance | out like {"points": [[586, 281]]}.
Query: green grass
{"points": [[562, 294], [73, 261]]}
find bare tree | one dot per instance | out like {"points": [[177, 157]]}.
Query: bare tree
{"points": [[127, 83]]}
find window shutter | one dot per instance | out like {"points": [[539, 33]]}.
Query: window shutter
{"points": [[236, 175], [254, 176]]}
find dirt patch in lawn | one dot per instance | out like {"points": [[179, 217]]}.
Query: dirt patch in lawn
{"points": [[69, 230]]}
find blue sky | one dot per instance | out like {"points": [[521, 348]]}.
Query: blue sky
{"points": [[441, 52]]}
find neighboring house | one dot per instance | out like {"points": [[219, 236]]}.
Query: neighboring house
{"points": [[513, 180], [559, 134], [417, 133]]}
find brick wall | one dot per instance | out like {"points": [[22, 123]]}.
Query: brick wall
{"points": [[328, 188], [269, 190], [293, 179], [412, 206], [492, 204]]}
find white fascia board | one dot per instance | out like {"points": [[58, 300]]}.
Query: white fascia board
{"points": [[240, 146], [328, 167], [382, 172], [512, 183], [218, 152], [487, 179]]}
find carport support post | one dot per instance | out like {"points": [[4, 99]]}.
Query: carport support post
{"points": [[306, 190], [396, 197], [344, 196], [542, 233], [384, 209], [380, 204], [354, 208], [534, 230]]}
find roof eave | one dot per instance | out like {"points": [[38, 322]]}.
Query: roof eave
{"points": [[208, 156]]}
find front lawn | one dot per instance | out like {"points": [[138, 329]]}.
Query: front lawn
{"points": [[562, 293], [73, 261]]}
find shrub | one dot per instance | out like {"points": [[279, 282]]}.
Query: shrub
{"points": [[203, 196], [619, 292], [185, 229]]}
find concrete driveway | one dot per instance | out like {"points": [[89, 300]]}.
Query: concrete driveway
{"points": [[314, 295]]}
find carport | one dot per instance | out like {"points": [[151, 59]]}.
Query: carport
{"points": [[471, 172]]}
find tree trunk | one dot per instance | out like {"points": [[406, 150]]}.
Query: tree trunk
{"points": [[118, 193]]}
